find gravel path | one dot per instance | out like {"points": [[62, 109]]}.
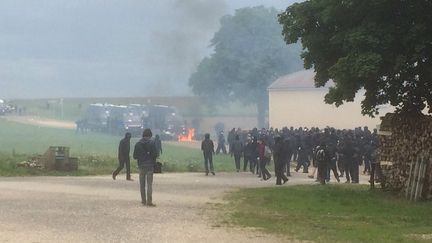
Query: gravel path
{"points": [[98, 209]]}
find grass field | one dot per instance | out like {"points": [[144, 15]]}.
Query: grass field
{"points": [[335, 213], [97, 152]]}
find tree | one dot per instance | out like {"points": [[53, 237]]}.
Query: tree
{"points": [[383, 46], [249, 53]]}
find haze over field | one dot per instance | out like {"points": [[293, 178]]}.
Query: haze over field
{"points": [[83, 48]]}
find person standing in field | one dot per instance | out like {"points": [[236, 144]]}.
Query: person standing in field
{"points": [[123, 157], [221, 143], [158, 144], [207, 147], [236, 151], [145, 153]]}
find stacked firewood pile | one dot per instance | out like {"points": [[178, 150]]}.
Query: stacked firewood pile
{"points": [[404, 142]]}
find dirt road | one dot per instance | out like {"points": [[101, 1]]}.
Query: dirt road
{"points": [[98, 209]]}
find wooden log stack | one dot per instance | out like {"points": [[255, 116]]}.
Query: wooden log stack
{"points": [[404, 141]]}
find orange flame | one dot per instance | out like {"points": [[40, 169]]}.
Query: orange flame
{"points": [[187, 137]]}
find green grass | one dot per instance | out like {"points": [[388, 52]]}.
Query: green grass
{"points": [[97, 152], [333, 213]]}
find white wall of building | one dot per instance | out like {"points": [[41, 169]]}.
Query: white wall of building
{"points": [[306, 108]]}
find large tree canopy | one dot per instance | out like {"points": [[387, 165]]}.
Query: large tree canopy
{"points": [[249, 53], [383, 46]]}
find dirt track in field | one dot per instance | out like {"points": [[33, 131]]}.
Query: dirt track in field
{"points": [[42, 122]]}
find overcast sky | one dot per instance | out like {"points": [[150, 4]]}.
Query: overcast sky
{"points": [[88, 48]]}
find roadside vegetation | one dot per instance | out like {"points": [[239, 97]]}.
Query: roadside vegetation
{"points": [[97, 153], [332, 213]]}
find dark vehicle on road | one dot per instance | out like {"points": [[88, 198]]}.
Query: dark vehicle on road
{"points": [[96, 117], [133, 118], [165, 120], [124, 119], [5, 107]]}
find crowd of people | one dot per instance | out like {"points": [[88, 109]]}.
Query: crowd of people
{"points": [[325, 150]]}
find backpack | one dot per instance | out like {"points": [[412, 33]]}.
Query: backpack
{"points": [[321, 155], [147, 152], [267, 152]]}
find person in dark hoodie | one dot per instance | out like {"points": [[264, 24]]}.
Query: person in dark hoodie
{"points": [[248, 152], [207, 147], [158, 144], [279, 160], [145, 153], [123, 157], [263, 159], [236, 151]]}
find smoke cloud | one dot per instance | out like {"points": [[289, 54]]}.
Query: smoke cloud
{"points": [[99, 48], [180, 46]]}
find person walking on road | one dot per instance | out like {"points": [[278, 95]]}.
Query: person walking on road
{"points": [[145, 153], [123, 157]]}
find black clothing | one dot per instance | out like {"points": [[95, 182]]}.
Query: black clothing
{"points": [[158, 144], [231, 139], [265, 173], [247, 156], [348, 152], [322, 158], [302, 160], [279, 161], [124, 149], [237, 150], [254, 157], [375, 169], [207, 147], [123, 158], [221, 144], [145, 153], [287, 155]]}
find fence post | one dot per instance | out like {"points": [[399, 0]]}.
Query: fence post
{"points": [[410, 178], [415, 179], [419, 191]]}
